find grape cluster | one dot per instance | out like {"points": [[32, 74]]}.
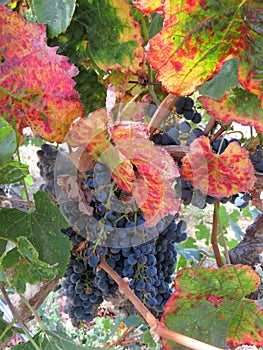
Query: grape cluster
{"points": [[149, 268], [47, 157], [185, 105], [257, 159]]}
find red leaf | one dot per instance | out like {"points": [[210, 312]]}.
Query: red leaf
{"points": [[211, 305], [156, 172], [37, 88], [218, 175], [198, 36], [237, 105], [156, 169]]}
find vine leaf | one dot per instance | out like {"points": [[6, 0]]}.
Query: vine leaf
{"points": [[3, 328], [236, 105], [226, 79], [42, 228], [56, 14], [210, 305], [105, 37], [124, 146], [156, 171], [10, 171], [22, 266], [52, 341], [198, 37], [36, 87], [218, 175]]}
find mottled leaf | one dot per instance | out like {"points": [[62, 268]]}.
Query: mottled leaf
{"points": [[236, 105], [218, 175], [42, 228], [124, 146], [223, 81], [210, 305], [156, 171], [199, 36], [56, 14], [105, 36], [23, 266], [36, 87]]}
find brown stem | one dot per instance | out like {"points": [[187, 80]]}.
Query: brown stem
{"points": [[15, 200], [157, 327], [209, 125], [223, 128], [177, 152], [125, 289], [162, 112], [214, 240]]}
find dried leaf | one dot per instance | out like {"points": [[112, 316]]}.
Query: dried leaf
{"points": [[218, 175]]}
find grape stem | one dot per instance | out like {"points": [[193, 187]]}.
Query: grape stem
{"points": [[17, 318], [158, 328], [223, 128], [209, 126], [162, 112], [214, 240]]}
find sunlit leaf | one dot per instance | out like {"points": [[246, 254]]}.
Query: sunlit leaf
{"points": [[36, 87], [210, 305], [236, 105], [199, 36], [218, 175]]}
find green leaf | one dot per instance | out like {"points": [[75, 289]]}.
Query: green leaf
{"points": [[7, 141], [24, 266], [53, 341], [223, 81], [4, 331], [41, 228], [203, 233], [239, 234], [211, 305], [56, 14], [12, 172], [105, 35], [4, 1], [132, 321], [148, 340], [9, 259], [155, 26], [2, 275]]}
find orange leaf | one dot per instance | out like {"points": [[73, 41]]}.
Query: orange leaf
{"points": [[36, 88], [218, 175]]}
